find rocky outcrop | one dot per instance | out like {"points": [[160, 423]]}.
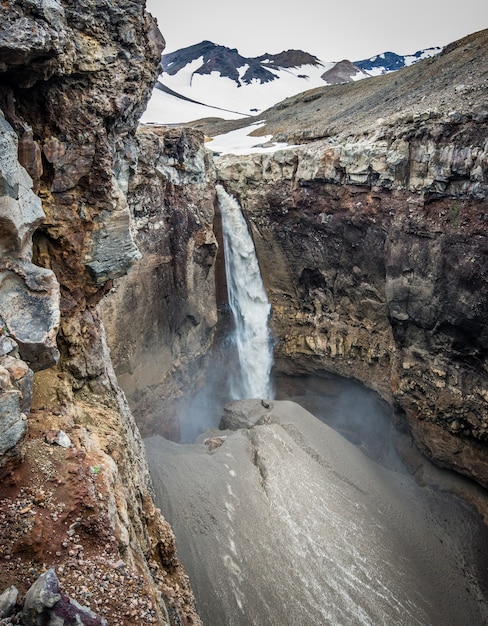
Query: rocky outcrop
{"points": [[29, 296], [160, 319], [373, 251], [45, 603], [74, 79]]}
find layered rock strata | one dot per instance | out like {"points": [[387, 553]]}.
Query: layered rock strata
{"points": [[75, 494], [171, 291], [373, 249]]}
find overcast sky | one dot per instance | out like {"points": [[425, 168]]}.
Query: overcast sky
{"points": [[333, 31]]}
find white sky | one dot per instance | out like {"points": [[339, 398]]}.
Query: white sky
{"points": [[331, 30]]}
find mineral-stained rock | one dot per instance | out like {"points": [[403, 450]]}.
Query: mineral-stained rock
{"points": [[40, 599], [44, 603]]}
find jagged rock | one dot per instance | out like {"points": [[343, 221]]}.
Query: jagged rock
{"points": [[15, 398], [40, 599], [29, 295], [46, 605], [8, 600], [20, 209], [29, 305], [74, 80], [13, 423]]}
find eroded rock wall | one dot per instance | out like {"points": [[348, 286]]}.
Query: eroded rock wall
{"points": [[160, 319], [76, 495], [374, 253]]}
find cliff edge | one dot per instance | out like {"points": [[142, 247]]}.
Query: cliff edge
{"points": [[75, 494]]}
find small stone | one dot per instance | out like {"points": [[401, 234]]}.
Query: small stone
{"points": [[8, 600], [58, 437]]}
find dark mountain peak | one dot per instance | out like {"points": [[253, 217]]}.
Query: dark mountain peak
{"points": [[388, 60], [342, 72], [391, 61], [230, 64], [288, 58], [173, 62]]}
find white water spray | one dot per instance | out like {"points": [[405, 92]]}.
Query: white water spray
{"points": [[248, 302]]}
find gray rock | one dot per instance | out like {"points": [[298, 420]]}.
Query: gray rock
{"points": [[29, 304], [114, 251], [7, 345], [53, 12], [40, 598], [245, 414], [46, 605], [29, 295], [13, 423], [8, 600], [9, 185]]}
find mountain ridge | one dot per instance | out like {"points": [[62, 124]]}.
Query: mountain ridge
{"points": [[442, 86], [209, 75]]}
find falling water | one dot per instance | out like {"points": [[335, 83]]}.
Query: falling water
{"points": [[248, 302]]}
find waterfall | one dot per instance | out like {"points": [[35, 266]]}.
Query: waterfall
{"points": [[248, 302]]}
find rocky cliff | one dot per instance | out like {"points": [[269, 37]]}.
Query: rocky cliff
{"points": [[371, 237], [75, 494], [160, 319]]}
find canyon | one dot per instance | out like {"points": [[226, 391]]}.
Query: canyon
{"points": [[370, 233]]}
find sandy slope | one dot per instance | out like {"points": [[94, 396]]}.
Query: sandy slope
{"points": [[288, 523]]}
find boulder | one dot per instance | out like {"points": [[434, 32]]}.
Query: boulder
{"points": [[46, 605], [245, 414]]}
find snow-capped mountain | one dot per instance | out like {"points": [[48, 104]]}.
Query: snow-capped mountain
{"points": [[208, 80], [390, 61]]}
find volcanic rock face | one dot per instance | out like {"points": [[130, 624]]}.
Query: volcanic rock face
{"points": [[172, 289], [74, 79], [373, 250], [29, 296]]}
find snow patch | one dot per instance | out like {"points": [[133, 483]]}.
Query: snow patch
{"points": [[241, 142]]}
